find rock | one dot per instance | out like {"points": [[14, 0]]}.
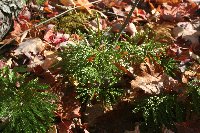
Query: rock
{"points": [[9, 9]]}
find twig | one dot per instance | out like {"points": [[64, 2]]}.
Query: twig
{"points": [[127, 20], [37, 25]]}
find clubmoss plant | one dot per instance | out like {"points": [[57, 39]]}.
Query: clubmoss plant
{"points": [[91, 63], [97, 62], [194, 95], [159, 111], [151, 47], [25, 107]]}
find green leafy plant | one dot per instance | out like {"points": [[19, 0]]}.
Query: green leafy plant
{"points": [[169, 65], [26, 107], [92, 63], [97, 63], [159, 111], [150, 46], [194, 95]]}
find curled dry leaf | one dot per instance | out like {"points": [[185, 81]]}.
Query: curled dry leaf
{"points": [[187, 31], [30, 46], [54, 37], [17, 31], [67, 2], [130, 28], [84, 4], [148, 83], [50, 58], [178, 12], [2, 64], [94, 24], [154, 85]]}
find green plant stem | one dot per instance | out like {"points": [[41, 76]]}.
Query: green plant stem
{"points": [[127, 20]]}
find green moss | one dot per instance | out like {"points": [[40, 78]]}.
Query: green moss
{"points": [[73, 21]]}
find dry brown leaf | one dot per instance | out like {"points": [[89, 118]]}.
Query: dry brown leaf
{"points": [[67, 2], [33, 46], [2, 64], [163, 29], [188, 32], [94, 24], [50, 58], [162, 1], [53, 129], [35, 61], [118, 12], [147, 83], [17, 31], [85, 4], [154, 85], [93, 112], [131, 28]]}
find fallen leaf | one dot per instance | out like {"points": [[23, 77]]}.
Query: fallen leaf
{"points": [[164, 1], [33, 46], [67, 2], [47, 10], [95, 26], [2, 64], [50, 58], [84, 4], [147, 83], [187, 32], [131, 28], [17, 31], [154, 85], [23, 36], [118, 12], [55, 37]]}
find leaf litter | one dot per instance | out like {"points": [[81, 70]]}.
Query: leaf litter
{"points": [[37, 49]]}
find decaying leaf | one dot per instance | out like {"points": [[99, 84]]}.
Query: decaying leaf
{"points": [[130, 28], [2, 64], [54, 37], [163, 1], [148, 83], [30, 46], [67, 2], [188, 33], [17, 31], [84, 4], [50, 58], [154, 85]]}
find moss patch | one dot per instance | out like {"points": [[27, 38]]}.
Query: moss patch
{"points": [[73, 21]]}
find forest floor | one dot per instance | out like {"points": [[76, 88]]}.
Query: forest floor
{"points": [[40, 32]]}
